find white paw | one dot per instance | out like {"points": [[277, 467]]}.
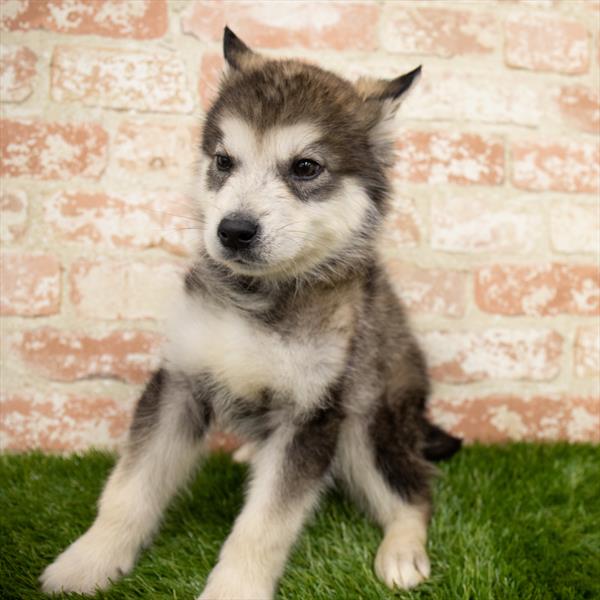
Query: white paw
{"points": [[233, 591], [400, 563], [90, 563], [225, 584]]}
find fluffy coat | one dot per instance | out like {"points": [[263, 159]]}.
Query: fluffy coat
{"points": [[286, 331]]}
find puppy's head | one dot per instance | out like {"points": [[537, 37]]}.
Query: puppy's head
{"points": [[294, 163]]}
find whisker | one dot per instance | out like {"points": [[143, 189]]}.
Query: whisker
{"points": [[287, 225]]}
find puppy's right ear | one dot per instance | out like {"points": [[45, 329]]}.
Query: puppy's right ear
{"points": [[236, 53]]}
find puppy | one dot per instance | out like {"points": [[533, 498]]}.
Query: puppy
{"points": [[288, 332]]}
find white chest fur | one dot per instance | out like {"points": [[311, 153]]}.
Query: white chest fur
{"points": [[247, 357]]}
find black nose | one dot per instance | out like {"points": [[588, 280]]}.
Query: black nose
{"points": [[237, 233]]}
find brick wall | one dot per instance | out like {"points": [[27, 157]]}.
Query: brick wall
{"points": [[493, 241]]}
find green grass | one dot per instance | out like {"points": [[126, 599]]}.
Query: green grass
{"points": [[512, 522]]}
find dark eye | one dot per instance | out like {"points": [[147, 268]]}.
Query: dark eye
{"points": [[224, 162], [305, 168]]}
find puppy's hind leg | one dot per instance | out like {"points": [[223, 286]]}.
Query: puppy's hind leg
{"points": [[160, 454], [392, 484]]}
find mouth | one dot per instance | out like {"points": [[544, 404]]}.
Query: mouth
{"points": [[242, 257], [244, 261], [239, 260]]}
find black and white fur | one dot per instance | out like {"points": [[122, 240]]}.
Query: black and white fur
{"points": [[288, 332]]}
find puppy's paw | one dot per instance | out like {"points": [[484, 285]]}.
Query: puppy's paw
{"points": [[228, 584], [401, 563], [233, 591], [85, 566]]}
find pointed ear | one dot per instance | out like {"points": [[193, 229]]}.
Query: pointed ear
{"points": [[383, 98], [390, 93], [236, 53], [398, 88]]}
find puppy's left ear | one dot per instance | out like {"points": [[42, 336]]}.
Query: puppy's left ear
{"points": [[389, 93], [236, 53], [383, 99]]}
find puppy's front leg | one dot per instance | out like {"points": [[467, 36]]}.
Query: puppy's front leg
{"points": [[288, 475], [165, 440]]}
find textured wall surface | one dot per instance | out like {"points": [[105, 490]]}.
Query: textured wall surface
{"points": [[493, 241]]}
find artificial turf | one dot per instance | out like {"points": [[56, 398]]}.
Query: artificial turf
{"points": [[520, 522]]}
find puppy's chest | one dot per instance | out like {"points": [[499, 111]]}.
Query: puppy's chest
{"points": [[246, 356]]}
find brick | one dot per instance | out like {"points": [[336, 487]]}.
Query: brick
{"points": [[52, 150], [579, 107], [111, 78], [559, 166], [497, 418], [437, 31], [575, 227], [111, 289], [211, 67], [537, 3], [313, 25], [549, 289], [30, 285], [74, 355], [140, 20], [403, 224], [135, 220], [17, 73], [587, 351], [56, 421], [462, 224], [546, 43], [13, 215], [511, 354], [466, 97], [143, 148], [430, 291], [446, 157]]}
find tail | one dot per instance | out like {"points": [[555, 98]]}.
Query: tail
{"points": [[439, 445]]}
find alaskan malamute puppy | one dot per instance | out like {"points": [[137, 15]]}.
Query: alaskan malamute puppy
{"points": [[288, 332]]}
